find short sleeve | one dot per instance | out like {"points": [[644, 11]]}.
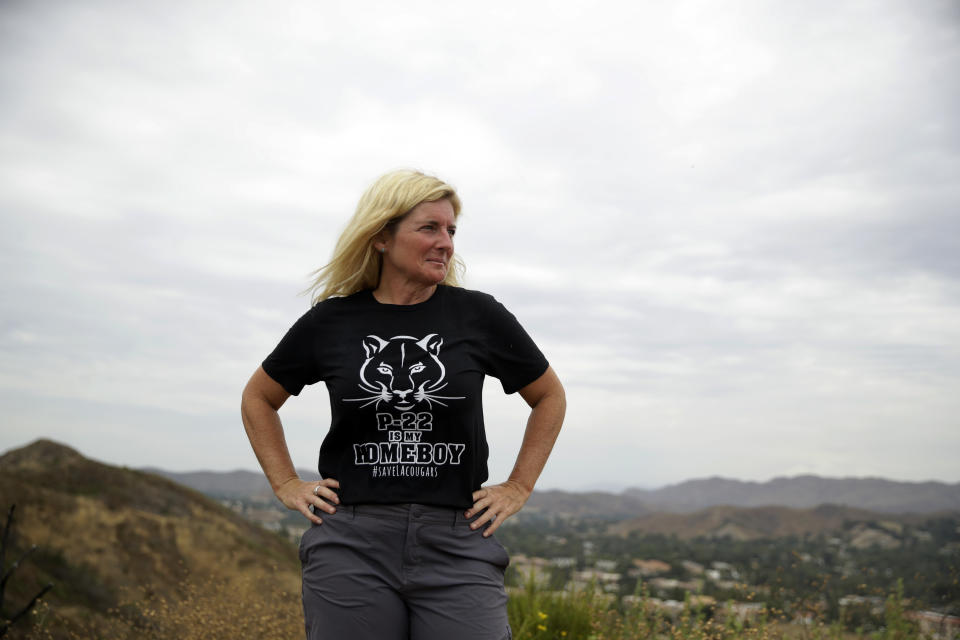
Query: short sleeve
{"points": [[512, 355], [293, 363]]}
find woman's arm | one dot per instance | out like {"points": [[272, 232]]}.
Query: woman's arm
{"points": [[262, 399], [548, 403]]}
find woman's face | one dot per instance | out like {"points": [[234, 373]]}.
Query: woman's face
{"points": [[421, 245]]}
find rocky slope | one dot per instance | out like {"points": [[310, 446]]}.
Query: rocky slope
{"points": [[132, 554]]}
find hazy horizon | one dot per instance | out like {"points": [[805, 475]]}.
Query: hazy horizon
{"points": [[599, 487]]}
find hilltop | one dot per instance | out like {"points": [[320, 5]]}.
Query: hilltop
{"points": [[134, 554]]}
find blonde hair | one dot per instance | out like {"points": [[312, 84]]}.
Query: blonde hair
{"points": [[355, 264]]}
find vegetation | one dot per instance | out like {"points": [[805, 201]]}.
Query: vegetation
{"points": [[136, 556], [536, 614], [7, 621], [254, 605], [836, 579], [209, 610]]}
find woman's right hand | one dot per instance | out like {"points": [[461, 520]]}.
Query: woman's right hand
{"points": [[297, 495]]}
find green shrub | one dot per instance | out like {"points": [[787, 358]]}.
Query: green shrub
{"points": [[589, 614]]}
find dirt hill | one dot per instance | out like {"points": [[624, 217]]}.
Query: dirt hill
{"points": [[757, 523], [134, 555]]}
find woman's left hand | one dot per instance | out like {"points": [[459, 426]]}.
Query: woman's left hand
{"points": [[497, 503]]}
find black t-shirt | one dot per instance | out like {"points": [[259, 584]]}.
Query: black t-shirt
{"points": [[405, 385]]}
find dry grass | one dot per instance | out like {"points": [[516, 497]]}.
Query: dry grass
{"points": [[133, 555], [254, 605]]}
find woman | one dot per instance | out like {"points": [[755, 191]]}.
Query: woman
{"points": [[403, 547]]}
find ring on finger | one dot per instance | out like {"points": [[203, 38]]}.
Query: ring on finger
{"points": [[316, 490]]}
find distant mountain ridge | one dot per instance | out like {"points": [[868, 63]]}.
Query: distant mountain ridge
{"points": [[226, 484], [803, 492], [800, 492]]}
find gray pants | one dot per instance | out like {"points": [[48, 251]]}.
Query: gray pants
{"points": [[402, 572]]}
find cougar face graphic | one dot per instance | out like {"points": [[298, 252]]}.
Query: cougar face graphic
{"points": [[402, 373]]}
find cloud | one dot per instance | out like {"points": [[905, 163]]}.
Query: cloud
{"points": [[732, 230]]}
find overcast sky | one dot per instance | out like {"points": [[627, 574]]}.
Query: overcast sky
{"points": [[733, 227]]}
